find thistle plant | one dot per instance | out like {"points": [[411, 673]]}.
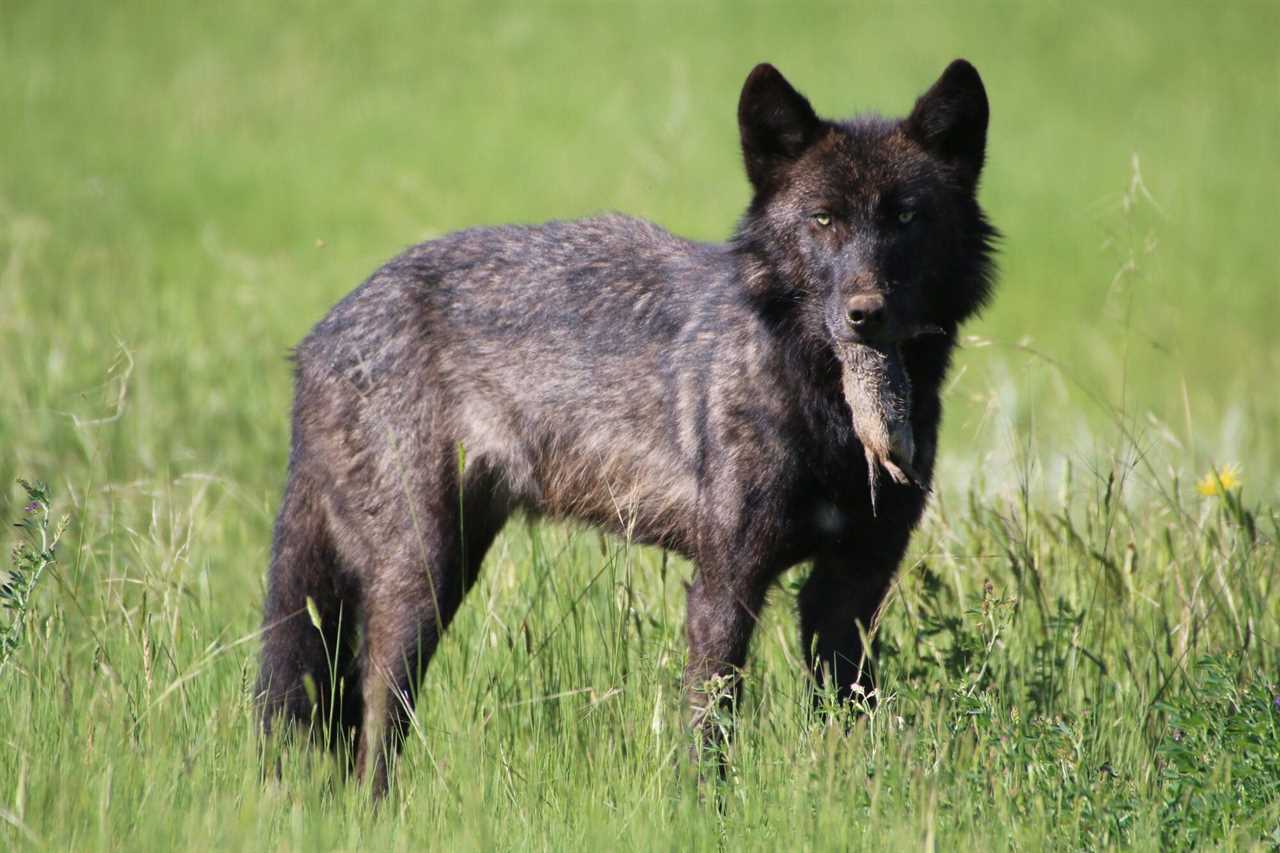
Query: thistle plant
{"points": [[32, 557]]}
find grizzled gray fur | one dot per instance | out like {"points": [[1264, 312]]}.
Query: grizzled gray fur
{"points": [[735, 403]]}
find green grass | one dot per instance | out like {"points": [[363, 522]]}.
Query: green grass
{"points": [[1082, 651]]}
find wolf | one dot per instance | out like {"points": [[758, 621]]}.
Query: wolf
{"points": [[752, 405]]}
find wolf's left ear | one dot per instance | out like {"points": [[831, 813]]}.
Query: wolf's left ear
{"points": [[950, 120], [776, 122]]}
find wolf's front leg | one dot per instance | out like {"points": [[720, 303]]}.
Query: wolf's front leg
{"points": [[838, 607], [722, 614]]}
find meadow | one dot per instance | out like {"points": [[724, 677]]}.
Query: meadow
{"points": [[1081, 651]]}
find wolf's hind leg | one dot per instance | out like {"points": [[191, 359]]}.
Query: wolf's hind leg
{"points": [[417, 586]]}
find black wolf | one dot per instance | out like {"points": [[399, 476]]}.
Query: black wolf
{"points": [[735, 403]]}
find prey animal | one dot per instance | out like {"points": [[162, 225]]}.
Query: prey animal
{"points": [[736, 403]]}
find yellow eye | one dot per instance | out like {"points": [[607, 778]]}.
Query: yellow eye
{"points": [[906, 216], [823, 219]]}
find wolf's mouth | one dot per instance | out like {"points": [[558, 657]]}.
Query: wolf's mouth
{"points": [[878, 391]]}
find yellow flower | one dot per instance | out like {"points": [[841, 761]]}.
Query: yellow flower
{"points": [[1219, 481]]}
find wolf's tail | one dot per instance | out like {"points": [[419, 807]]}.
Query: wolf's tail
{"points": [[310, 668]]}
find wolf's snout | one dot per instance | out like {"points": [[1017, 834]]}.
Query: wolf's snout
{"points": [[865, 313]]}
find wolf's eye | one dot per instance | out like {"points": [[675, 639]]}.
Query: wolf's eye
{"points": [[822, 219], [906, 216]]}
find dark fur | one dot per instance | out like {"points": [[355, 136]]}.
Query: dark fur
{"points": [[685, 395]]}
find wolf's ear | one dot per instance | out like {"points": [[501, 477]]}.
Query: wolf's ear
{"points": [[776, 122], [950, 120]]}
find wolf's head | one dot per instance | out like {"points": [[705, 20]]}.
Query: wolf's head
{"points": [[871, 229]]}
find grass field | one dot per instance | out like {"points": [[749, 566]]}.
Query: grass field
{"points": [[1082, 650]]}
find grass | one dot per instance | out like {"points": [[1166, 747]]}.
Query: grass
{"points": [[1081, 651]]}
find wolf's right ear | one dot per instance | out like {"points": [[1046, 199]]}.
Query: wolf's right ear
{"points": [[776, 122]]}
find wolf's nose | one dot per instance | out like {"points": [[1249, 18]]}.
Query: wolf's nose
{"points": [[865, 312]]}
